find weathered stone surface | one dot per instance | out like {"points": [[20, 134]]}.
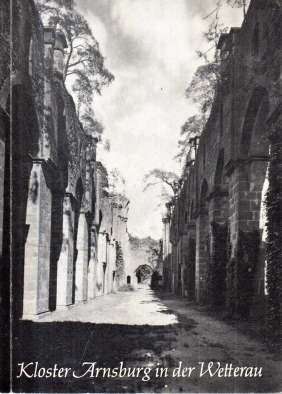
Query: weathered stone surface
{"points": [[65, 226], [231, 160]]}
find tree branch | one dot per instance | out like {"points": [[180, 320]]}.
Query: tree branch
{"points": [[68, 60], [78, 62]]}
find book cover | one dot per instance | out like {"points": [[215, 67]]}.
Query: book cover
{"points": [[140, 196]]}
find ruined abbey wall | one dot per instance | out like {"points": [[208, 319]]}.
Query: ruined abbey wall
{"points": [[217, 226], [63, 244]]}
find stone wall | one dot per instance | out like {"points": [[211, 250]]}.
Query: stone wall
{"points": [[65, 226], [112, 261], [141, 255], [216, 243]]}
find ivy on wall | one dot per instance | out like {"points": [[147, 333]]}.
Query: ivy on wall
{"points": [[241, 274], [247, 259], [217, 266], [274, 238]]}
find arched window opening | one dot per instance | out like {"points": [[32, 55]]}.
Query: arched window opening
{"points": [[252, 141]]}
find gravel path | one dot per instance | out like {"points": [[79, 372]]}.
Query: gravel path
{"points": [[145, 330]]}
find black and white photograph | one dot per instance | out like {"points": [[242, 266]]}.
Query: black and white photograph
{"points": [[140, 196]]}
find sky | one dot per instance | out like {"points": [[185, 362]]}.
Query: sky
{"points": [[150, 47]]}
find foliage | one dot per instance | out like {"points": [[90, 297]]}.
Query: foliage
{"points": [[202, 88], [247, 258], [217, 266], [192, 128], [91, 125], [84, 63], [160, 177], [155, 254], [274, 239]]}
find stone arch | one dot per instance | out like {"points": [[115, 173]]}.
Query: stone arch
{"points": [[219, 208], [143, 272], [59, 185], [25, 137], [253, 135], [79, 190], [252, 175]]}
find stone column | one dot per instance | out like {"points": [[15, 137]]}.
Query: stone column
{"points": [[106, 266], [92, 268], [202, 256], [82, 259], [100, 262], [37, 247], [65, 263]]}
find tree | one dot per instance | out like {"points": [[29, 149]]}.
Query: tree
{"points": [[161, 177], [84, 62], [191, 129], [90, 124], [154, 255], [202, 88]]}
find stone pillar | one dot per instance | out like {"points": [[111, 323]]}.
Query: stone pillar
{"points": [[202, 256], [65, 263], [112, 267], [82, 259], [92, 268], [106, 266], [37, 247], [100, 262]]}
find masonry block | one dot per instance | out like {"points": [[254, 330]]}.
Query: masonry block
{"points": [[37, 248], [81, 271], [65, 262]]}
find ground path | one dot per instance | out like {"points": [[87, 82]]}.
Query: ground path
{"points": [[143, 329], [129, 307]]}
